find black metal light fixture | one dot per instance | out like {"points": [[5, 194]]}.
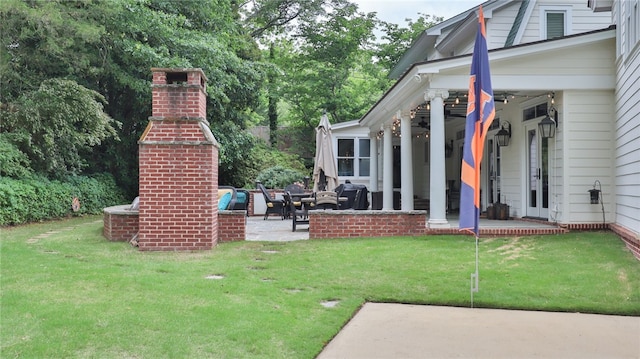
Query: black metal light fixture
{"points": [[448, 149], [504, 134], [547, 127], [595, 195], [549, 123]]}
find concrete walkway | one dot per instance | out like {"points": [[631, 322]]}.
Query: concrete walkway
{"points": [[415, 331]]}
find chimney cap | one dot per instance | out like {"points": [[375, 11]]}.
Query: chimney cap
{"points": [[180, 69]]}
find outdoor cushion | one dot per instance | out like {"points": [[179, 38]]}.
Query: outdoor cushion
{"points": [[223, 202], [242, 197]]}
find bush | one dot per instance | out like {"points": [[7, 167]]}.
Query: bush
{"points": [[37, 198], [279, 177]]}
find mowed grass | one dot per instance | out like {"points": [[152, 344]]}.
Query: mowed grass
{"points": [[69, 293]]}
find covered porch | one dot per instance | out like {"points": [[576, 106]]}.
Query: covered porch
{"points": [[417, 131]]}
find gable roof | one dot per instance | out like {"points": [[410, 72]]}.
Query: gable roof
{"points": [[517, 23], [456, 28]]}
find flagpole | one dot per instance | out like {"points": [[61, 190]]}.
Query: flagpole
{"points": [[480, 114], [475, 277]]}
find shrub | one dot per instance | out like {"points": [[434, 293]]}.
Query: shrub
{"points": [[37, 198], [279, 177]]}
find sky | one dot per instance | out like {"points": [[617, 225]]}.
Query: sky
{"points": [[395, 11]]}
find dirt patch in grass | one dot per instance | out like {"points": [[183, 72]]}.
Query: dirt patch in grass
{"points": [[514, 248]]}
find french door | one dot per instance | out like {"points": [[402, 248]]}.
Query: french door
{"points": [[493, 173], [537, 172]]}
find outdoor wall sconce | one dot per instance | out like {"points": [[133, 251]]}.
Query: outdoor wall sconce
{"points": [[503, 136], [594, 193], [448, 149], [548, 125]]}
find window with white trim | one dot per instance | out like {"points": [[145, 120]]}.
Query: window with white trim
{"points": [[555, 21], [353, 157]]}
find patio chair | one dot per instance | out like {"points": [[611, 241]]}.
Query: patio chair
{"points": [[326, 200], [227, 197], [275, 206], [299, 215], [289, 198], [294, 188], [242, 201]]}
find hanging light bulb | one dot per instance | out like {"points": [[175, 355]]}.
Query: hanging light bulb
{"points": [[457, 100], [505, 100], [428, 105]]}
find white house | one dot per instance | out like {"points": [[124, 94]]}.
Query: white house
{"points": [[574, 61]]}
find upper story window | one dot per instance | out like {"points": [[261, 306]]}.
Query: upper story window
{"points": [[353, 157], [555, 21]]}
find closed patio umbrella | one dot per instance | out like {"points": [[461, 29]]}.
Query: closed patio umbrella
{"points": [[325, 173]]}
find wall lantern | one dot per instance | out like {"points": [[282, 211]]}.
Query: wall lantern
{"points": [[594, 193], [503, 136], [448, 149], [547, 127]]}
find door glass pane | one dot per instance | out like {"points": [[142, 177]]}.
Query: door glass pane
{"points": [[492, 171], [545, 172], [533, 167]]}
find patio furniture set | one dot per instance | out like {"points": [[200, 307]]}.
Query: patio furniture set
{"points": [[296, 203]]}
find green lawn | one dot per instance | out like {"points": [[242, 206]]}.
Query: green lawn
{"points": [[69, 293]]}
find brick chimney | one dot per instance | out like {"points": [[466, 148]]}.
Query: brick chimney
{"points": [[178, 160]]}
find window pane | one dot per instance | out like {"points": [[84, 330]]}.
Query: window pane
{"points": [[345, 148], [555, 24], [345, 167], [364, 147], [364, 167]]}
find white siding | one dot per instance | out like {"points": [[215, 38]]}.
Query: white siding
{"points": [[582, 18], [587, 122], [499, 26], [627, 128]]}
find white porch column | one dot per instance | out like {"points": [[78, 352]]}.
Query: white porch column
{"points": [[387, 175], [438, 178], [373, 161], [406, 162]]}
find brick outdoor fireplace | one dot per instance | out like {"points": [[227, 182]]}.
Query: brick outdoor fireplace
{"points": [[178, 159]]}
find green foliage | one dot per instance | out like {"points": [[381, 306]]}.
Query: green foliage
{"points": [[37, 198], [236, 163], [325, 68], [13, 162], [279, 177], [396, 40], [58, 124], [110, 47]]}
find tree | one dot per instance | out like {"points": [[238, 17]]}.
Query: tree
{"points": [[57, 126], [110, 47], [397, 40]]}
